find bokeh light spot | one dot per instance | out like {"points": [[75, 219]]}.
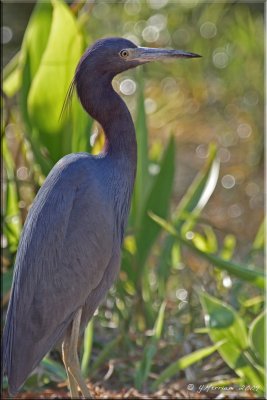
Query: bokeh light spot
{"points": [[220, 59], [158, 20], [139, 26], [153, 169], [202, 151], [228, 181], [234, 211], [132, 38], [227, 282], [189, 235], [181, 36], [224, 155], [251, 98], [150, 34], [4, 242], [169, 85], [244, 131], [128, 87], [22, 204], [150, 106], [100, 10], [132, 7], [22, 173], [208, 30], [181, 294], [252, 189], [6, 34]]}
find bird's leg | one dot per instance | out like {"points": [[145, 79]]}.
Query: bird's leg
{"points": [[65, 356], [72, 361]]}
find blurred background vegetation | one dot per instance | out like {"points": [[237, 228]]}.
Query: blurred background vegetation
{"points": [[188, 305]]}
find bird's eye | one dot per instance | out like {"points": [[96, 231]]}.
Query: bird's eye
{"points": [[124, 53]]}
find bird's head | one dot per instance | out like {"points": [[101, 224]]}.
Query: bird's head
{"points": [[111, 56]]}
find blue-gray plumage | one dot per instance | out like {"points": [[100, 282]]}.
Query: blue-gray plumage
{"points": [[69, 251]]}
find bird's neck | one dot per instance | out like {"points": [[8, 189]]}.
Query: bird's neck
{"points": [[106, 106]]}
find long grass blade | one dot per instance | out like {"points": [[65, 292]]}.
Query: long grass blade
{"points": [[87, 348]]}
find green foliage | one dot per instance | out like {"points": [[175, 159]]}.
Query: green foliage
{"points": [[184, 362], [158, 202], [187, 212], [150, 350], [224, 323], [252, 275], [12, 221], [105, 354], [159, 258], [258, 243], [257, 337], [87, 348], [53, 368]]}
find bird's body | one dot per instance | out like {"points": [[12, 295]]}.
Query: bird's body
{"points": [[69, 251], [92, 245]]}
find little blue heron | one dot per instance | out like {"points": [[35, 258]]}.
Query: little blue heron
{"points": [[69, 250]]}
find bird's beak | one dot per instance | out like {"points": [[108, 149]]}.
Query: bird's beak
{"points": [[146, 54]]}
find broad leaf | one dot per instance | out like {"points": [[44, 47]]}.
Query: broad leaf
{"points": [[225, 324], [50, 83], [257, 336], [12, 75], [33, 47]]}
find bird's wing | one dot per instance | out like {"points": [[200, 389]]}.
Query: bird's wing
{"points": [[64, 250]]}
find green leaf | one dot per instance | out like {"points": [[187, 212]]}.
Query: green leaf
{"points": [[54, 368], [190, 206], [50, 83], [150, 350], [257, 337], [12, 220], [158, 202], [226, 382], [199, 191], [225, 324], [105, 354], [158, 327], [254, 276], [223, 318], [12, 75], [33, 47], [32, 50], [259, 240], [7, 280], [185, 362], [211, 240], [87, 348], [142, 177], [145, 365], [81, 125], [228, 247]]}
